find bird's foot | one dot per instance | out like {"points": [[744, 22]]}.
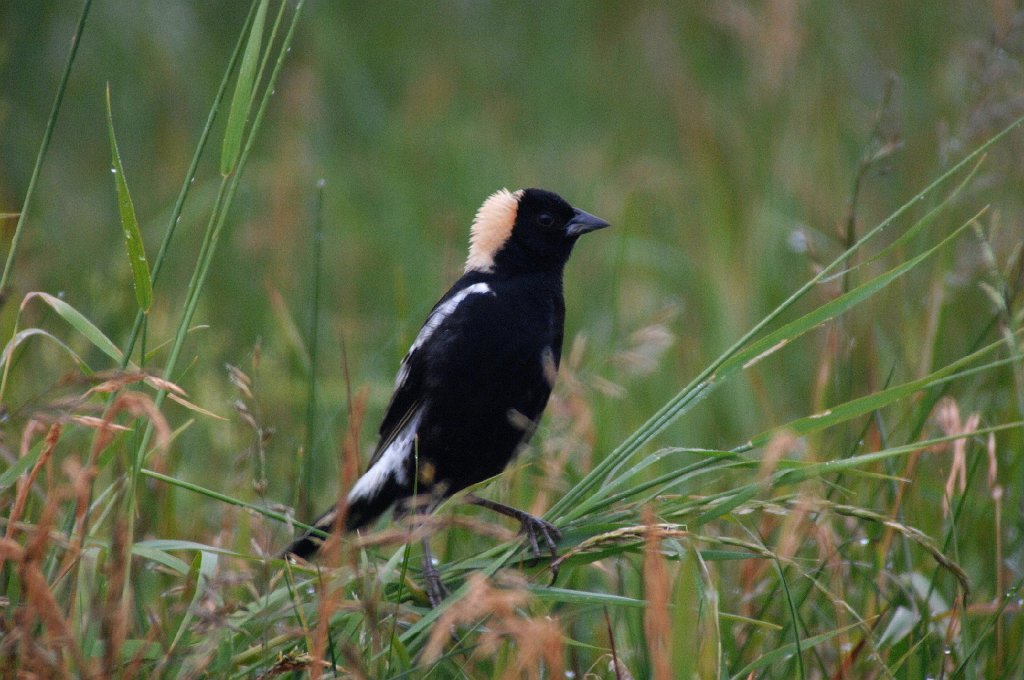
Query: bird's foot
{"points": [[436, 591], [535, 528]]}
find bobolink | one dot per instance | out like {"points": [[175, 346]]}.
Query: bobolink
{"points": [[474, 383]]}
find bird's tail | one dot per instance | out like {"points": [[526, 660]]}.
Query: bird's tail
{"points": [[360, 510], [309, 543]]}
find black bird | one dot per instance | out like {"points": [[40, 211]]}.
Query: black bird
{"points": [[474, 383]]}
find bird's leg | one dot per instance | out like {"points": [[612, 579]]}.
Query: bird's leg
{"points": [[422, 506], [436, 592], [529, 525]]}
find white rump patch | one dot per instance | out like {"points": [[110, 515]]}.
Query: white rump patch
{"points": [[436, 318], [491, 228], [391, 463]]}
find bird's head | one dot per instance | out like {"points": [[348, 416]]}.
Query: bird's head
{"points": [[526, 229]]}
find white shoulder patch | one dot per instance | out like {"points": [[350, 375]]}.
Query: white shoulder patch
{"points": [[491, 228], [434, 321], [391, 463]]}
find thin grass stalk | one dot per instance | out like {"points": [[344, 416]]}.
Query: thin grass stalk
{"points": [[996, 492], [139, 456], [392, 639], [951, 544], [306, 474], [794, 617], [657, 595], [51, 123], [223, 498]]}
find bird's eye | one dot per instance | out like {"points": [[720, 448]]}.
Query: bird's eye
{"points": [[545, 220]]}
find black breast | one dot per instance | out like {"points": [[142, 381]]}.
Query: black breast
{"points": [[489, 379]]}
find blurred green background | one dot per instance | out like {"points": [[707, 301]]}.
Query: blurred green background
{"points": [[722, 140]]}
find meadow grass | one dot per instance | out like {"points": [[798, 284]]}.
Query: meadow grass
{"points": [[786, 436]]}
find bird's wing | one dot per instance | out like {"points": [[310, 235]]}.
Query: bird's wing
{"points": [[408, 394]]}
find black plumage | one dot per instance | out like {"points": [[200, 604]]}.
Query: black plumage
{"points": [[477, 378]]}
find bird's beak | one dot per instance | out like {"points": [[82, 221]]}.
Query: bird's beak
{"points": [[582, 222]]}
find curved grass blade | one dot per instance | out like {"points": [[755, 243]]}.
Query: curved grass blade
{"points": [[785, 651], [605, 497], [904, 240], [804, 471], [9, 476], [129, 222], [223, 498], [794, 472], [583, 597], [22, 336], [204, 567], [77, 320], [776, 340], [148, 552], [15, 342], [794, 619], [878, 400]]}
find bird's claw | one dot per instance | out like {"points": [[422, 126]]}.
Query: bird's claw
{"points": [[534, 527], [436, 591]]}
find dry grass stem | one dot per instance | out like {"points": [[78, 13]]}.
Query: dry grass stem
{"points": [[657, 595]]}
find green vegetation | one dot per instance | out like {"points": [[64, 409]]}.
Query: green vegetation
{"points": [[786, 441]]}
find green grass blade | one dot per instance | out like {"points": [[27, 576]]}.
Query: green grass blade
{"points": [[878, 400], [87, 329], [803, 472], [1006, 599], [794, 619], [9, 476], [306, 463], [23, 335], [584, 598], [785, 651], [204, 566], [795, 472], [162, 557], [605, 497], [830, 310], [129, 222], [6, 358], [904, 240], [223, 498], [241, 102]]}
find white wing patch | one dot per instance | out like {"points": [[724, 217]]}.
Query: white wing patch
{"points": [[443, 311], [390, 464]]}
